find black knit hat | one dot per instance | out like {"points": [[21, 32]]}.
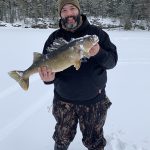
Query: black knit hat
{"points": [[61, 4]]}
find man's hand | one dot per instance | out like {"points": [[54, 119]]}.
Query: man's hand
{"points": [[94, 50], [46, 74]]}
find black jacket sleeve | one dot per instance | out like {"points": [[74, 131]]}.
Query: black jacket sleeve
{"points": [[107, 57], [48, 42]]}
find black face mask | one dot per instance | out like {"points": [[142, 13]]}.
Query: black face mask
{"points": [[71, 26]]}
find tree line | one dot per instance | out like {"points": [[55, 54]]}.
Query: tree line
{"points": [[127, 11]]}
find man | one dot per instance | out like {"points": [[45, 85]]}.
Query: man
{"points": [[79, 96]]}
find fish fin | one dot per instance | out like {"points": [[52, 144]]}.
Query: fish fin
{"points": [[18, 76], [57, 44], [36, 56], [51, 49], [60, 41], [72, 39], [77, 64]]}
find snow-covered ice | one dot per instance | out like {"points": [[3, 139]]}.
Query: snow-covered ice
{"points": [[26, 121]]}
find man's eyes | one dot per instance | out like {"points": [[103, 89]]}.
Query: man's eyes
{"points": [[63, 10]]}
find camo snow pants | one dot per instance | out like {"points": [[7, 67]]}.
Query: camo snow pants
{"points": [[91, 119]]}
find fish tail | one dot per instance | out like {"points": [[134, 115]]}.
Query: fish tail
{"points": [[18, 76]]}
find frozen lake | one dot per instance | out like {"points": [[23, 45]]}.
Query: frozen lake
{"points": [[26, 122]]}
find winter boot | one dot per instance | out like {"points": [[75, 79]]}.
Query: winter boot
{"points": [[60, 147]]}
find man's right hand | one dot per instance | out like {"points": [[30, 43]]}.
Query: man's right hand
{"points": [[46, 74]]}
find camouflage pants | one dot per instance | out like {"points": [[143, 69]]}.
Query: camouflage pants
{"points": [[91, 119]]}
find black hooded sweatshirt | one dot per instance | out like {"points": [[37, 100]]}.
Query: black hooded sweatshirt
{"points": [[86, 85]]}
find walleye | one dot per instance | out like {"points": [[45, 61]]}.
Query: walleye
{"points": [[60, 56]]}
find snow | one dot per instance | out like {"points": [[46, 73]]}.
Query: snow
{"points": [[26, 121]]}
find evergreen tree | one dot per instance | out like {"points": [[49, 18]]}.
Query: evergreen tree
{"points": [[127, 11]]}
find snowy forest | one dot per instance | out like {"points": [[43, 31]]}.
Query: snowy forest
{"points": [[130, 13]]}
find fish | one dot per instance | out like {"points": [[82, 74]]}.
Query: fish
{"points": [[60, 56]]}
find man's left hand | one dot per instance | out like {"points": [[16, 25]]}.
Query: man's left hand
{"points": [[94, 50]]}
